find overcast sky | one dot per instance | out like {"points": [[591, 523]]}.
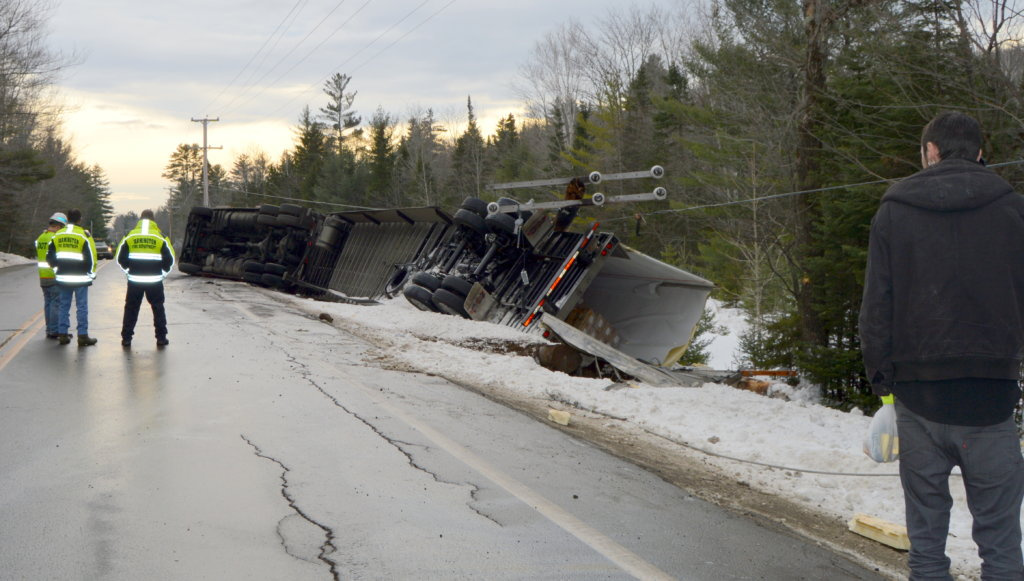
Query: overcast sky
{"points": [[147, 68]]}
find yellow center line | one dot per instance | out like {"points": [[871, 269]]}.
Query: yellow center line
{"points": [[20, 338]]}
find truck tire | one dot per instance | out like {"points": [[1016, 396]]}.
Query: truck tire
{"points": [[475, 205], [501, 223], [189, 268], [292, 210], [202, 211], [420, 298], [266, 219], [269, 209], [252, 266], [275, 269], [284, 219], [396, 282], [426, 280], [470, 221], [451, 303], [457, 284], [272, 280]]}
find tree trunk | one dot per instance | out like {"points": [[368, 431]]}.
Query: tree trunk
{"points": [[808, 163]]}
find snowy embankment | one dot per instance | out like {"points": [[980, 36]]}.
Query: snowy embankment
{"points": [[785, 444], [13, 259]]}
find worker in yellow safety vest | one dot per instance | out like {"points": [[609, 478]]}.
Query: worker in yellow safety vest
{"points": [[47, 279], [72, 255], [146, 257]]}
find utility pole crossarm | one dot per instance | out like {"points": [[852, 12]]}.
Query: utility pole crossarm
{"points": [[206, 159]]}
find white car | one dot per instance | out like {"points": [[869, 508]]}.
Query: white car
{"points": [[103, 250]]}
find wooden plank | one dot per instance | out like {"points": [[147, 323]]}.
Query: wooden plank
{"points": [[768, 372], [559, 417], [884, 532]]}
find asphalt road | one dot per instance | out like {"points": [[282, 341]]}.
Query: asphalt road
{"points": [[265, 444]]}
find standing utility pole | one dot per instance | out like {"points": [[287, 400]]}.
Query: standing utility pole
{"points": [[206, 160]]}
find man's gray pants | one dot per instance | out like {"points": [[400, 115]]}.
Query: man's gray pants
{"points": [[990, 460]]}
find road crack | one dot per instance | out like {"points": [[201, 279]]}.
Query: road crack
{"points": [[327, 548], [396, 443]]}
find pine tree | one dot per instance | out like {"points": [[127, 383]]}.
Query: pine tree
{"points": [[309, 155], [468, 161], [338, 112]]}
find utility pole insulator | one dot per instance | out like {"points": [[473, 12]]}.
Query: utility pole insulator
{"points": [[206, 159]]}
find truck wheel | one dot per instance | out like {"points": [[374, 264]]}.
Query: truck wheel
{"points": [[450, 303], [273, 268], [457, 284], [189, 268], [426, 280], [284, 219], [501, 223], [470, 220], [269, 209], [420, 298], [266, 219], [272, 280], [292, 210], [475, 205], [396, 282], [253, 278], [252, 266], [202, 211]]}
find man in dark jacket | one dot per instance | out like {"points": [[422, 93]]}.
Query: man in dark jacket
{"points": [[942, 328], [146, 256]]}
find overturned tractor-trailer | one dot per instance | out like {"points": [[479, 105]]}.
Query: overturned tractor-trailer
{"points": [[611, 309]]}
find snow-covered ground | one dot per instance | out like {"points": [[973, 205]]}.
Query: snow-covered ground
{"points": [[13, 259], [785, 443]]}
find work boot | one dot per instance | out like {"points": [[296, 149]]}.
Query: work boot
{"points": [[161, 341], [85, 341], [63, 338], [126, 343], [53, 335]]}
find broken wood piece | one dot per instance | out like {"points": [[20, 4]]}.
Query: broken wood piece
{"points": [[559, 417], [884, 532]]}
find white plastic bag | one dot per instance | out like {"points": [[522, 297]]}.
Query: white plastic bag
{"points": [[882, 443]]}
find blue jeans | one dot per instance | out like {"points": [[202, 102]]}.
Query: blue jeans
{"points": [[51, 308], [990, 460], [81, 295]]}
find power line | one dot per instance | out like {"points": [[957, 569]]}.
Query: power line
{"points": [[288, 54], [302, 200], [411, 30], [784, 195], [371, 43], [260, 50], [310, 53]]}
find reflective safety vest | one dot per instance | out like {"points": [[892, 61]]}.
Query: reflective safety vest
{"points": [[46, 274], [145, 254], [72, 254]]}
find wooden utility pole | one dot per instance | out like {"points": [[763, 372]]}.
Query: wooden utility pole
{"points": [[206, 159]]}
